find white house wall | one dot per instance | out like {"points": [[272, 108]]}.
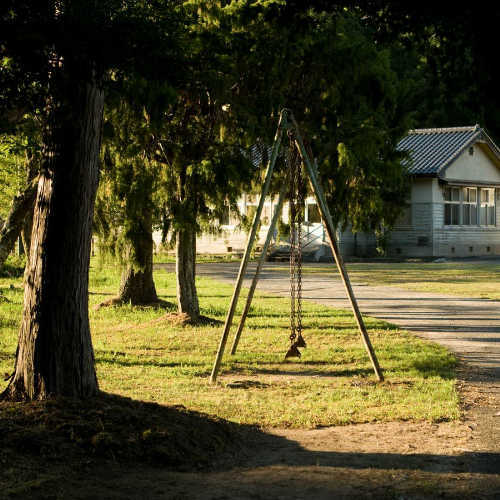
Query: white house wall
{"points": [[478, 166], [468, 241]]}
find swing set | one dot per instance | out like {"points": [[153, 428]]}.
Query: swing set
{"points": [[296, 161]]}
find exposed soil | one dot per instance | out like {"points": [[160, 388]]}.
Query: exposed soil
{"points": [[154, 452]]}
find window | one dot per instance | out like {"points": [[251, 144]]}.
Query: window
{"points": [[487, 207], [469, 206], [452, 206]]}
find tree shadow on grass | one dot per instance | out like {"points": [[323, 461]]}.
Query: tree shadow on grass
{"points": [[287, 371], [436, 367], [121, 359]]}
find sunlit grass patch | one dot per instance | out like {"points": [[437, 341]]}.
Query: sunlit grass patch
{"points": [[142, 357], [480, 279]]}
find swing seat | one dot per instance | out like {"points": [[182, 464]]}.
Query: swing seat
{"points": [[293, 352], [300, 341]]}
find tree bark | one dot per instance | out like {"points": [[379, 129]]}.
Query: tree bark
{"points": [[22, 205], [187, 296], [55, 355], [137, 285]]}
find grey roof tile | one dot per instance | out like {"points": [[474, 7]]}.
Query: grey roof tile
{"points": [[433, 149]]}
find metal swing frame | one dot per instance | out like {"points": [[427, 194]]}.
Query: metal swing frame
{"points": [[287, 123]]}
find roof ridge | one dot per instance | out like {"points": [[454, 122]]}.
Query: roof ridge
{"points": [[471, 128]]}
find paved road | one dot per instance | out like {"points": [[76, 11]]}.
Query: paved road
{"points": [[469, 327]]}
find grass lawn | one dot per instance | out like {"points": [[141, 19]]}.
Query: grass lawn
{"points": [[142, 356]]}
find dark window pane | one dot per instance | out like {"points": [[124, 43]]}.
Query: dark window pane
{"points": [[483, 214], [455, 215], [473, 214], [491, 216], [466, 215], [447, 214], [473, 195], [455, 194], [447, 194]]}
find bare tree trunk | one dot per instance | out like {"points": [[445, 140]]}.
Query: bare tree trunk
{"points": [[137, 285], [187, 296], [22, 205], [55, 354]]}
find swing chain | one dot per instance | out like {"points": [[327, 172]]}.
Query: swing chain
{"points": [[296, 197], [291, 157]]}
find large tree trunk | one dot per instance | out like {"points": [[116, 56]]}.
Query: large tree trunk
{"points": [[22, 205], [137, 285], [187, 296], [55, 355]]}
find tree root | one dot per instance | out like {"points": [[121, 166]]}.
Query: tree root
{"points": [[184, 319], [117, 302]]}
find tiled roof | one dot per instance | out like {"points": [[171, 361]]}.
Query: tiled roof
{"points": [[433, 149]]}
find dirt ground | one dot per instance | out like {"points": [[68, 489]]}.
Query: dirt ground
{"points": [[400, 460]]}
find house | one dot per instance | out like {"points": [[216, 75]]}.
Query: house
{"points": [[453, 208]]}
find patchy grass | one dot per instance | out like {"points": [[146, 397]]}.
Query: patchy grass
{"points": [[463, 279], [141, 357]]}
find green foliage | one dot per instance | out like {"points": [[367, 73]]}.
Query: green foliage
{"points": [[323, 64], [200, 139], [19, 159], [128, 200], [455, 48], [11, 176]]}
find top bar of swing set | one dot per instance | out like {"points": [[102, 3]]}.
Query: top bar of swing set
{"points": [[327, 220]]}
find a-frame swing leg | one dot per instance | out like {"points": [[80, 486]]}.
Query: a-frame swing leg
{"points": [[251, 238], [260, 263], [327, 219]]}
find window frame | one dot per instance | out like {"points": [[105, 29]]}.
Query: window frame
{"points": [[489, 205], [457, 207]]}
